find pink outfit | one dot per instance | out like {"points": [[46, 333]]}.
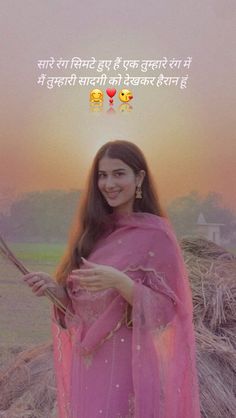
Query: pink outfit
{"points": [[144, 371]]}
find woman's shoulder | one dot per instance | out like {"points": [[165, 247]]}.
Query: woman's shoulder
{"points": [[161, 234], [154, 221], [143, 221], [158, 227]]}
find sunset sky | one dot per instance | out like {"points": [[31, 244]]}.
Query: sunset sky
{"points": [[49, 136]]}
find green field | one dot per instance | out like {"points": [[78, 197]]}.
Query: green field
{"points": [[38, 252]]}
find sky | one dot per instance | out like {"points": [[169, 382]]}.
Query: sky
{"points": [[48, 137]]}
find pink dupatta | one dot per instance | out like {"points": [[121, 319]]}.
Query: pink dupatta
{"points": [[164, 372]]}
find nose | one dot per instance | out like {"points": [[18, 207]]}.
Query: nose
{"points": [[109, 182]]}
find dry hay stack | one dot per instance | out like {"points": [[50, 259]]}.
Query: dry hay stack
{"points": [[212, 274], [27, 387]]}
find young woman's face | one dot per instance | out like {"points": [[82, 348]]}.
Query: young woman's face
{"points": [[117, 183]]}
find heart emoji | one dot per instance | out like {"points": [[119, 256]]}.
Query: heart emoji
{"points": [[111, 92]]}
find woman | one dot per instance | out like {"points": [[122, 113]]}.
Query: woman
{"points": [[129, 350]]}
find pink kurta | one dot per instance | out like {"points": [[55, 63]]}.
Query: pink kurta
{"points": [[105, 368]]}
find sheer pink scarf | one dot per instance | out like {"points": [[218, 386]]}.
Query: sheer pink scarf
{"points": [[164, 372]]}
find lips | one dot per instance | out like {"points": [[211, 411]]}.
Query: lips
{"points": [[112, 195]]}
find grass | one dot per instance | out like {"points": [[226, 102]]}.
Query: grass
{"points": [[38, 251]]}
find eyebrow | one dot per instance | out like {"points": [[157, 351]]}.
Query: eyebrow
{"points": [[113, 171]]}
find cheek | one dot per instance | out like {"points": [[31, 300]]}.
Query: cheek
{"points": [[100, 184], [129, 187]]}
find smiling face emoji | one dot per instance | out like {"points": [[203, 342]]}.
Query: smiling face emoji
{"points": [[96, 96], [125, 95]]}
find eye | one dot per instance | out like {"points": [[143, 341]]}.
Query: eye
{"points": [[119, 174], [100, 175]]}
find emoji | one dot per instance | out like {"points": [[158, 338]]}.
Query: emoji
{"points": [[96, 95], [111, 93], [125, 95]]}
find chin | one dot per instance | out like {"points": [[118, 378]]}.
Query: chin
{"points": [[113, 205]]}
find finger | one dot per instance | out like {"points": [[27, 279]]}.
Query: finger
{"points": [[41, 291], [89, 263], [31, 274], [78, 276], [91, 288], [87, 272], [51, 285], [82, 271], [29, 277], [37, 285], [33, 280], [89, 280]]}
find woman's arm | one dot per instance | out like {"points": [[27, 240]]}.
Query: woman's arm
{"points": [[95, 277], [125, 287]]}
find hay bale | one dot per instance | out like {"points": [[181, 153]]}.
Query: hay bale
{"points": [[27, 386], [212, 273]]}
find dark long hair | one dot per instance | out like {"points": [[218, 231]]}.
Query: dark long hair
{"points": [[91, 219]]}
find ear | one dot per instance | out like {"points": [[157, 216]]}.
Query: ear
{"points": [[139, 177]]}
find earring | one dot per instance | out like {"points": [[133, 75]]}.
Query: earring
{"points": [[139, 192]]}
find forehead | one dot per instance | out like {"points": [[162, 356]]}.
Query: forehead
{"points": [[110, 164]]}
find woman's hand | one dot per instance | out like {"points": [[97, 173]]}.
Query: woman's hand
{"points": [[95, 277], [40, 281]]}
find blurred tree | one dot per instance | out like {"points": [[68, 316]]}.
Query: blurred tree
{"points": [[46, 216], [40, 216], [184, 211]]}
